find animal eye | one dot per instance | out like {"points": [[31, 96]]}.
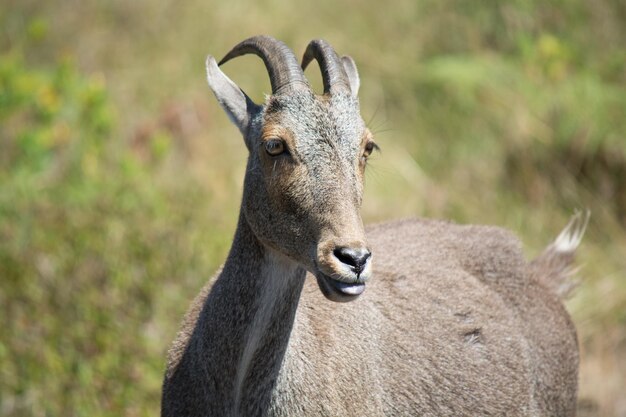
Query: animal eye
{"points": [[275, 147], [369, 148]]}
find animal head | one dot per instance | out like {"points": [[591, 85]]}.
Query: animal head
{"points": [[307, 156]]}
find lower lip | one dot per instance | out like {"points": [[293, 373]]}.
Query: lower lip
{"points": [[339, 291], [348, 289]]}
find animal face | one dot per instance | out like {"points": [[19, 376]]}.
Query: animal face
{"points": [[304, 181]]}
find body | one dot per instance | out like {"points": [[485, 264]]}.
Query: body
{"points": [[454, 324]]}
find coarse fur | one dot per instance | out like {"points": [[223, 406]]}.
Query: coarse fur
{"points": [[454, 322]]}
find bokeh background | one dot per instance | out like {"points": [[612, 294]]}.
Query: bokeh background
{"points": [[120, 177]]}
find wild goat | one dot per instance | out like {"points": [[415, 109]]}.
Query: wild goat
{"points": [[454, 323]]}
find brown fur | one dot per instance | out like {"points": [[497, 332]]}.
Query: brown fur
{"points": [[454, 322]]}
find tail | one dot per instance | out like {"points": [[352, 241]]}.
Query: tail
{"points": [[553, 268]]}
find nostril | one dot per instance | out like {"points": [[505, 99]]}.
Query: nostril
{"points": [[354, 257]]}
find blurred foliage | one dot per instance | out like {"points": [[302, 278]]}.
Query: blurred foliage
{"points": [[85, 236], [120, 177]]}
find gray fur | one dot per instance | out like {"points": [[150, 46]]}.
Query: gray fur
{"points": [[353, 75], [233, 100], [454, 321]]}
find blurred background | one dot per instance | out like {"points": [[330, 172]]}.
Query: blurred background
{"points": [[120, 177]]}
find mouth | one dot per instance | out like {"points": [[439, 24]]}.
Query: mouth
{"points": [[339, 291]]}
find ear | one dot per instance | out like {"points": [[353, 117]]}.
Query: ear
{"points": [[353, 75], [233, 100]]}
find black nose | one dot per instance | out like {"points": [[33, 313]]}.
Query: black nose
{"points": [[356, 258]]}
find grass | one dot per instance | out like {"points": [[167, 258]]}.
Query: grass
{"points": [[120, 178]]}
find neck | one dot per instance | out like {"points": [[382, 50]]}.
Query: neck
{"points": [[246, 322]]}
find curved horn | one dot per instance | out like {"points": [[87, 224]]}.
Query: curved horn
{"points": [[281, 63], [333, 74]]}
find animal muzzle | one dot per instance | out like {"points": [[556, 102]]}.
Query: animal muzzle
{"points": [[343, 268]]}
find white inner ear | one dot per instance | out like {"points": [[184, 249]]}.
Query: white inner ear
{"points": [[353, 75], [228, 94]]}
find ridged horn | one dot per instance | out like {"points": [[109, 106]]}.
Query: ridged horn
{"points": [[333, 75], [282, 65]]}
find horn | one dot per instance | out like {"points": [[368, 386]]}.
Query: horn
{"points": [[282, 65], [333, 75]]}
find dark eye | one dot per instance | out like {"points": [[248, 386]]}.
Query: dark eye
{"points": [[369, 148], [275, 147]]}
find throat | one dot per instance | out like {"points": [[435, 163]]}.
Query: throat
{"points": [[267, 335], [264, 294]]}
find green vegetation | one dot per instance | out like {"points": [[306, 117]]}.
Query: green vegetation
{"points": [[120, 177], [87, 243]]}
